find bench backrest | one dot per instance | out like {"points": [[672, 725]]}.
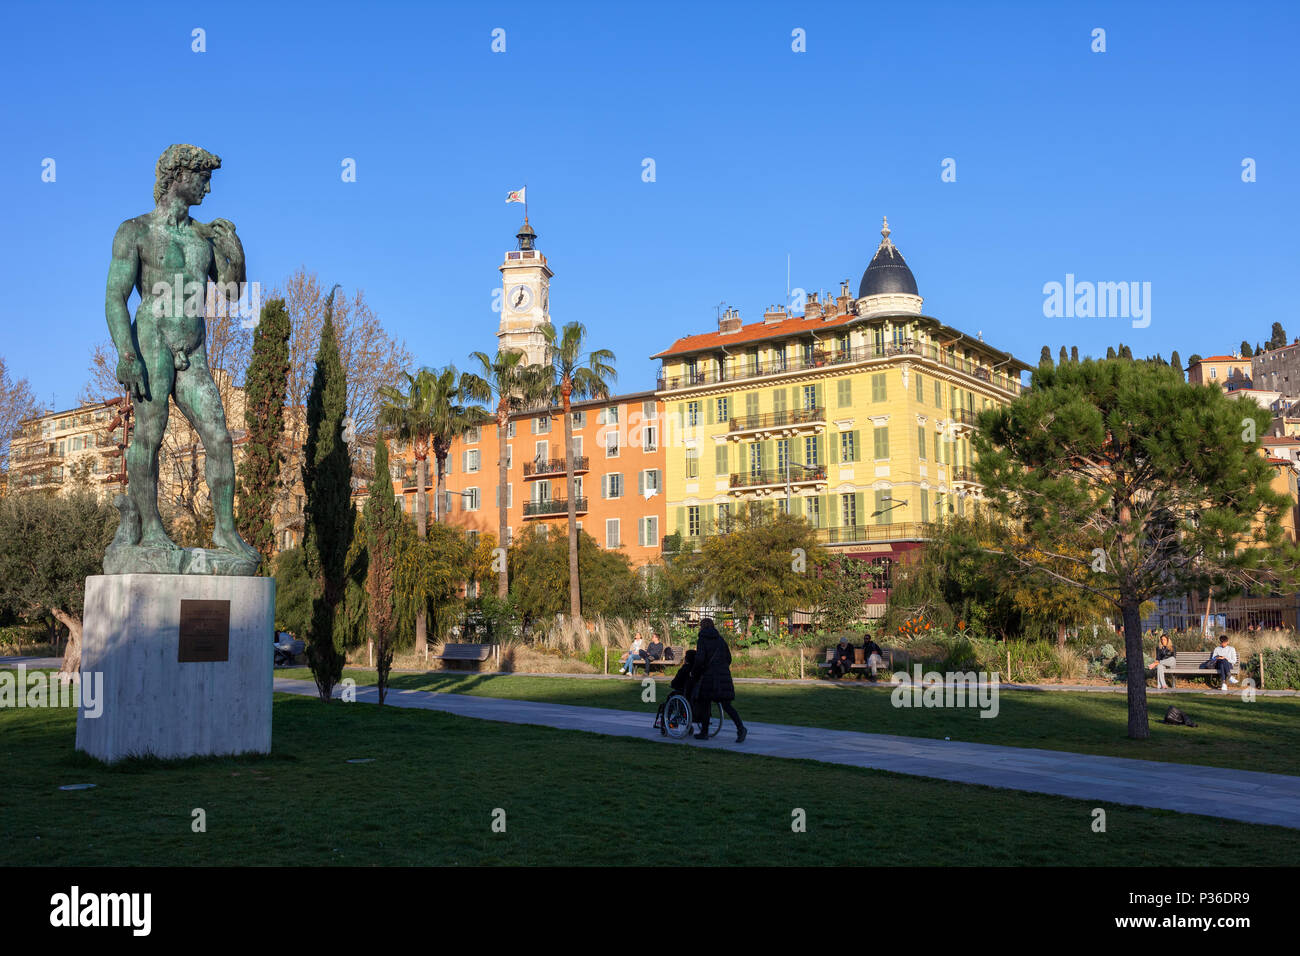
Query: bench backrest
{"points": [[1194, 658], [467, 652]]}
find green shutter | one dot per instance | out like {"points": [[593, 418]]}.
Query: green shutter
{"points": [[844, 390], [835, 448], [857, 445], [925, 508], [708, 411], [706, 520], [918, 388], [778, 399], [819, 396], [681, 521], [821, 449], [681, 414], [751, 403], [920, 442], [794, 505], [720, 460]]}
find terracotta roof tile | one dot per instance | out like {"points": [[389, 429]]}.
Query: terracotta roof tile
{"points": [[754, 332]]}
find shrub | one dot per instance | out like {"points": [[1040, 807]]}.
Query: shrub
{"points": [[596, 657], [1281, 669]]}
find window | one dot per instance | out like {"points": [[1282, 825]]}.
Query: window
{"points": [[472, 460], [778, 400], [473, 435], [614, 485], [649, 438], [577, 487], [920, 442], [692, 463], [607, 416], [813, 508], [542, 491], [579, 420], [810, 396], [647, 532], [848, 452], [878, 390], [510, 457], [541, 453], [471, 499], [880, 339], [611, 443], [649, 411], [782, 454], [848, 511], [751, 404], [649, 481], [810, 451], [693, 521], [724, 515], [510, 429], [882, 442], [844, 392], [692, 413], [577, 447], [722, 409], [755, 458]]}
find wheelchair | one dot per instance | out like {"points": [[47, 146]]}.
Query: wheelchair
{"points": [[676, 717]]}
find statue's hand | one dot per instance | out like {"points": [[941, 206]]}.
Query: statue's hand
{"points": [[131, 375], [223, 228]]}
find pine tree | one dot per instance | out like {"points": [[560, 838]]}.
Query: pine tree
{"points": [[330, 516], [383, 524], [265, 386]]}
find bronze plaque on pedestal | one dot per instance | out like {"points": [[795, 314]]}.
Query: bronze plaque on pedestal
{"points": [[205, 632]]}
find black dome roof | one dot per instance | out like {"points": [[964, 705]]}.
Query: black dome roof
{"points": [[887, 273]]}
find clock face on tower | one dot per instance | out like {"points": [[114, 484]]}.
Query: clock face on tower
{"points": [[520, 298]]}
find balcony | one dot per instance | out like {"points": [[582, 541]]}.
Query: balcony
{"points": [[789, 421], [964, 476], [795, 477], [854, 534], [551, 507], [834, 357], [963, 420], [556, 466]]}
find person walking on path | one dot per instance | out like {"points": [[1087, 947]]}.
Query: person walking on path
{"points": [[713, 671]]}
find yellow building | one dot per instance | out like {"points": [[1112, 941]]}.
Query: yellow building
{"points": [[856, 415], [78, 448]]}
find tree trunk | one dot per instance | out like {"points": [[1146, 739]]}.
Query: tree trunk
{"points": [[503, 579], [575, 601], [1136, 677], [422, 526], [1060, 635], [71, 656]]}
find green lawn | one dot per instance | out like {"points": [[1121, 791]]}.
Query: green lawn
{"points": [[569, 798], [1263, 735]]}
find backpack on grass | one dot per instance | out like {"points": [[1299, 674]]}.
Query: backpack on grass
{"points": [[1175, 716]]}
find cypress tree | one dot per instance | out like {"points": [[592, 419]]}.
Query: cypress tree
{"points": [[1110, 351], [1045, 357], [265, 387], [1074, 353], [1064, 357], [330, 517], [1245, 349], [383, 524], [1176, 362], [1278, 337]]}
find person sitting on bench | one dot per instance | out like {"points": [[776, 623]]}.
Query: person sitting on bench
{"points": [[842, 658], [654, 651], [872, 655], [1164, 658], [633, 654], [1224, 660]]}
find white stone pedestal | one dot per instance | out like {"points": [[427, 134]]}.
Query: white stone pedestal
{"points": [[153, 704]]}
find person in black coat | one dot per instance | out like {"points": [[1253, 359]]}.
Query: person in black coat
{"points": [[681, 684], [842, 658], [713, 671]]}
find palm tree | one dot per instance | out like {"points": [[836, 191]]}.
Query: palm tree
{"points": [[571, 378], [429, 416], [515, 385]]}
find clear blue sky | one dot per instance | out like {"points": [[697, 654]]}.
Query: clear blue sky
{"points": [[1122, 166]]}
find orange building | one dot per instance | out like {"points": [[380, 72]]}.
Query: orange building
{"points": [[618, 475]]}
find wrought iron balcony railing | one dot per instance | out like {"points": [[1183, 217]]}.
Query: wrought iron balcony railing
{"points": [[788, 417], [799, 475], [556, 466], [553, 506]]}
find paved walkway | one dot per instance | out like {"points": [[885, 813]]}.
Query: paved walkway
{"points": [[1188, 788]]}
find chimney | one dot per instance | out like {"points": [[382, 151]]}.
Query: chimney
{"points": [[843, 302], [729, 321], [812, 309], [774, 314]]}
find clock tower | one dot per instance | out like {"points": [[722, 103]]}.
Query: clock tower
{"points": [[525, 300]]}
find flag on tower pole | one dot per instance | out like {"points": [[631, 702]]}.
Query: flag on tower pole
{"points": [[517, 195]]}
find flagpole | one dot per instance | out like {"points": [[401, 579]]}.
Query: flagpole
{"points": [[525, 202]]}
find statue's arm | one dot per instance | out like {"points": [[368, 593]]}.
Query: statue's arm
{"points": [[122, 273], [227, 253]]}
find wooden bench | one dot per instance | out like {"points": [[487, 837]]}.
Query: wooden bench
{"points": [[859, 661], [468, 653], [1189, 665], [677, 652]]}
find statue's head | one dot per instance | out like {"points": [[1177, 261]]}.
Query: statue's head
{"points": [[188, 165]]}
